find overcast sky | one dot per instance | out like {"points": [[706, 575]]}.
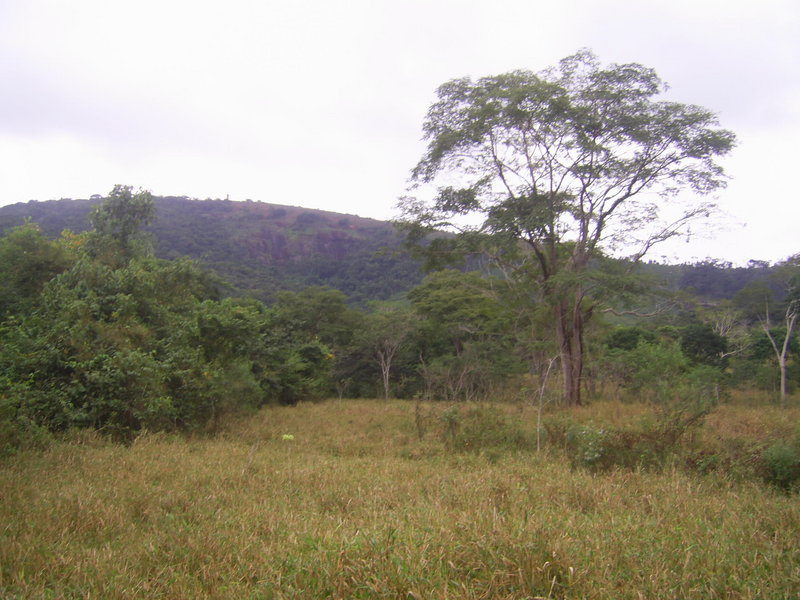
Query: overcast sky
{"points": [[319, 103]]}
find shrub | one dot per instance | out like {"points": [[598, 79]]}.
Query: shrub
{"points": [[651, 444], [781, 465], [481, 428], [588, 446], [17, 430]]}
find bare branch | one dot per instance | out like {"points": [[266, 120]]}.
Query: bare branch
{"points": [[660, 310]]}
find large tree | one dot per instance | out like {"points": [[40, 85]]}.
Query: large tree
{"points": [[558, 167]]}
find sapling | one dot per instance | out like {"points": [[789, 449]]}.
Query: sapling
{"points": [[541, 401]]}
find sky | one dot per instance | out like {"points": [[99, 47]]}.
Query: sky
{"points": [[320, 103]]}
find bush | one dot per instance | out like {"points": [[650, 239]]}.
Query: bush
{"points": [[481, 428], [600, 449], [781, 465], [650, 445], [17, 431], [588, 446], [659, 372]]}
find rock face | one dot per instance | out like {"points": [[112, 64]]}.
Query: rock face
{"points": [[259, 248]]}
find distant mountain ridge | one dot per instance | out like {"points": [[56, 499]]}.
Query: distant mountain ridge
{"points": [[258, 247]]}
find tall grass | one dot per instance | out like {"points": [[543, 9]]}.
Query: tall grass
{"points": [[361, 505]]}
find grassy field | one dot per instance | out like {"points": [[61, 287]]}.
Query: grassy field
{"points": [[399, 500]]}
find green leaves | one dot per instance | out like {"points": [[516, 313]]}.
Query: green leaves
{"points": [[466, 335], [118, 224], [103, 335], [27, 261], [703, 345], [589, 136]]}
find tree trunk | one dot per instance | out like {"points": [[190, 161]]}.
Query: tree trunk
{"points": [[782, 352], [784, 389], [569, 334], [385, 370], [385, 357]]}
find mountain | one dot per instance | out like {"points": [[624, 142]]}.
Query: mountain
{"points": [[257, 247]]}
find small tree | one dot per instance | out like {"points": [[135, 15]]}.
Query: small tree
{"points": [[118, 222], [781, 347], [787, 275], [466, 334], [552, 168], [385, 332]]}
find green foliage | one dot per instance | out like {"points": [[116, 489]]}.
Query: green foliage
{"points": [[384, 339], [627, 338], [652, 444], [17, 430], [257, 247], [28, 260], [757, 364], [650, 371], [118, 223], [781, 465], [119, 341], [451, 417], [456, 299], [264, 353], [717, 279], [262, 248], [465, 335], [322, 312], [760, 348], [702, 345], [120, 392], [100, 334], [657, 370], [550, 164], [588, 445], [96, 351]]}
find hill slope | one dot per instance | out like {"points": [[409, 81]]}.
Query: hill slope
{"points": [[259, 248]]}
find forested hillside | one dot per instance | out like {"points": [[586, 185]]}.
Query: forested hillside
{"points": [[259, 248]]}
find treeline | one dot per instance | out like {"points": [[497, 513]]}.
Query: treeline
{"points": [[97, 332]]}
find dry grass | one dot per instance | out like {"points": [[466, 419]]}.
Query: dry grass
{"points": [[358, 506], [759, 423]]}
